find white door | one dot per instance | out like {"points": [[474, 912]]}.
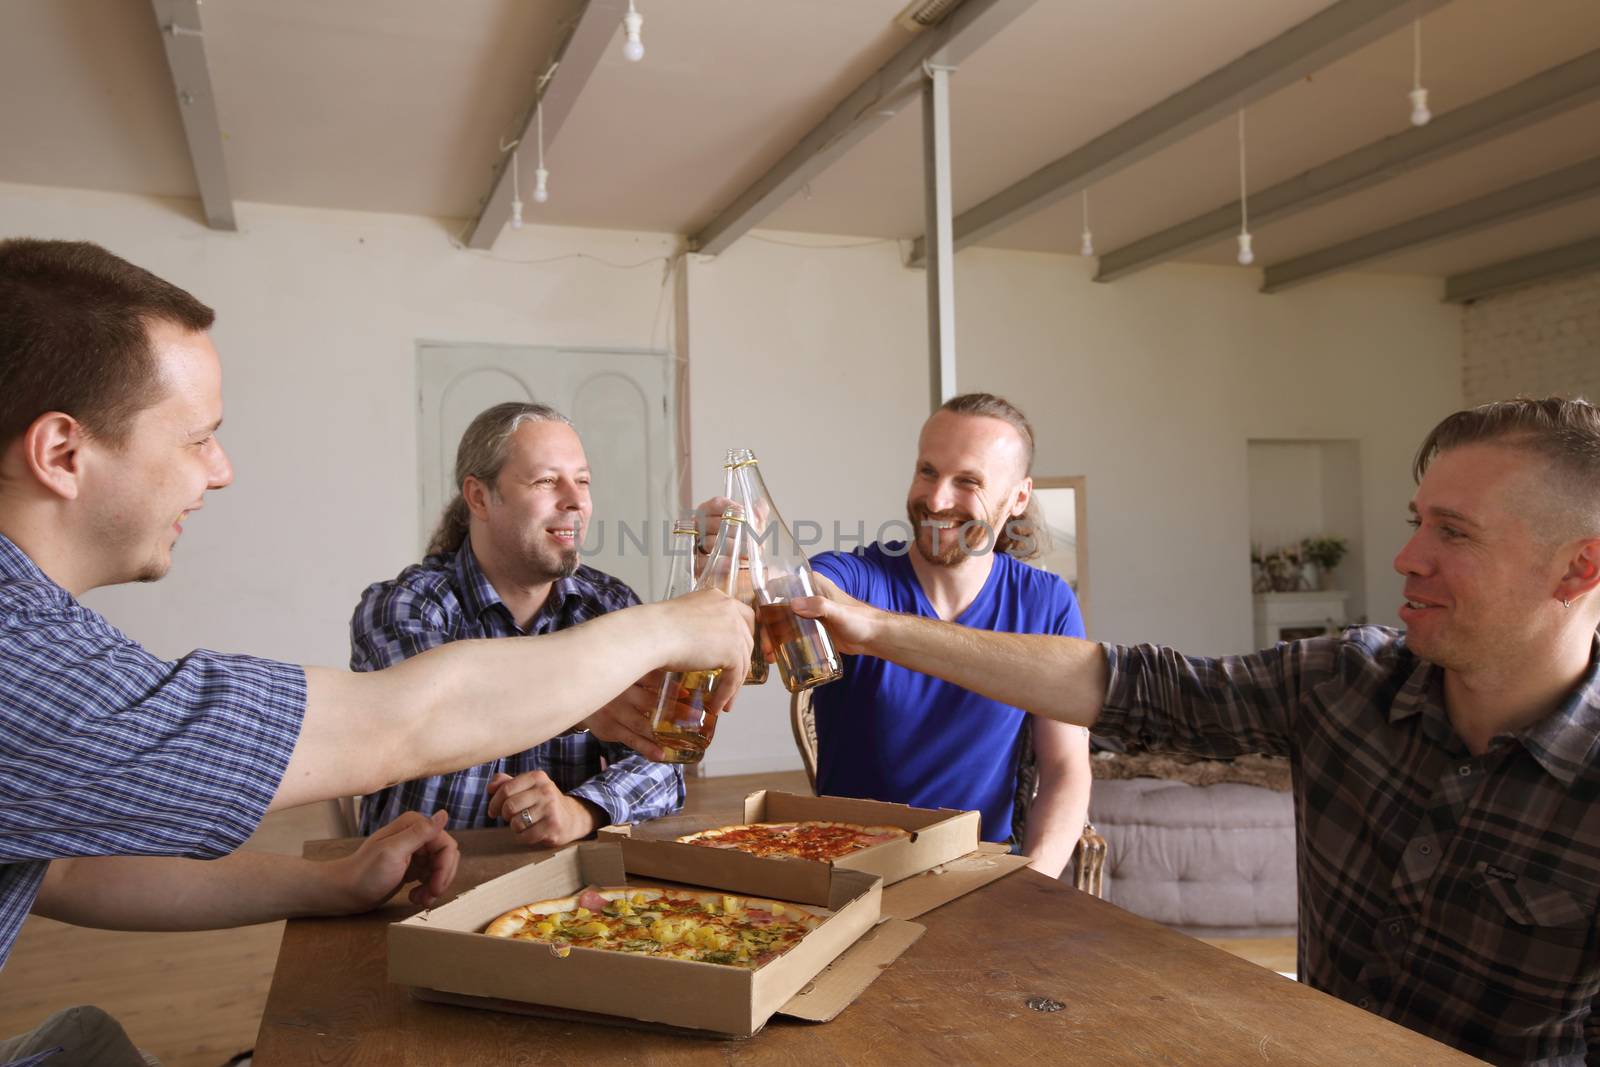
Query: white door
{"points": [[621, 403]]}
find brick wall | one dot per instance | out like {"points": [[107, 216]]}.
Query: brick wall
{"points": [[1535, 341]]}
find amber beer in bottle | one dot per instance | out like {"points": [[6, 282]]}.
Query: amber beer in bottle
{"points": [[681, 725], [746, 593], [780, 572]]}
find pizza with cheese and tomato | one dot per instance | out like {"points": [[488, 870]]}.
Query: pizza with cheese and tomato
{"points": [[677, 924], [809, 840]]}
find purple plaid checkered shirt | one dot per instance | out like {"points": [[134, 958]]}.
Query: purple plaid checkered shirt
{"points": [[448, 598], [108, 750], [1454, 894]]}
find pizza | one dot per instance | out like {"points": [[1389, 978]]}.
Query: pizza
{"points": [[809, 840], [677, 924]]}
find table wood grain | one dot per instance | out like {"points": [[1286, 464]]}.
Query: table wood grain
{"points": [[1130, 990]]}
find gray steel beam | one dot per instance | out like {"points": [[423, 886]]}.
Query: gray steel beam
{"points": [[184, 42], [1331, 33], [1524, 270], [937, 213], [868, 106], [1576, 182], [1556, 90], [573, 61]]}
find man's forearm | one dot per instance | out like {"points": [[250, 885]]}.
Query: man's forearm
{"points": [[461, 704], [1062, 678], [1055, 824], [163, 893]]}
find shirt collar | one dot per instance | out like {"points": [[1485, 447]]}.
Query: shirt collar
{"points": [[1562, 742], [16, 564], [479, 594]]}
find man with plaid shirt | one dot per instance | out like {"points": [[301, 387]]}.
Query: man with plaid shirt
{"points": [[1446, 776], [503, 563]]}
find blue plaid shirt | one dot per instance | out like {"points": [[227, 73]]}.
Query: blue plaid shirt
{"points": [[107, 750], [448, 598]]}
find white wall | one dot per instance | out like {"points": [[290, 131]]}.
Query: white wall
{"points": [[814, 357], [1286, 491], [318, 315], [1150, 387]]}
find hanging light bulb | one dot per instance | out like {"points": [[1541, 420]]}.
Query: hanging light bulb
{"points": [[516, 190], [1419, 96], [632, 45], [1247, 255], [1087, 247], [541, 177]]}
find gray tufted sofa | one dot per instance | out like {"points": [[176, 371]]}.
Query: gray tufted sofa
{"points": [[1211, 860]]}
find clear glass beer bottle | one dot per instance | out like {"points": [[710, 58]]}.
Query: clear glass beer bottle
{"points": [[746, 594], [681, 556], [780, 572], [681, 725]]}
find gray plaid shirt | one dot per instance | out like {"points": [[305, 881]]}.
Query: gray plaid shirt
{"points": [[1454, 894], [448, 598]]}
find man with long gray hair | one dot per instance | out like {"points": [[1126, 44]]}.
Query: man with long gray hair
{"points": [[504, 562]]}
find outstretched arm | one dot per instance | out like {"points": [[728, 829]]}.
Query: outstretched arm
{"points": [[468, 702], [1061, 678], [162, 893]]}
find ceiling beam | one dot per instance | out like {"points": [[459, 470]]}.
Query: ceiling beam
{"points": [[1333, 32], [1576, 182], [1524, 270], [868, 106], [577, 53], [1549, 93], [184, 42]]}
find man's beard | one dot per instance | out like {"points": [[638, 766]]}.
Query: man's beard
{"points": [[958, 543], [544, 565], [569, 563]]}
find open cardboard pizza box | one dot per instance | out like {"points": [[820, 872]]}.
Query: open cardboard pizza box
{"points": [[938, 837], [443, 956]]}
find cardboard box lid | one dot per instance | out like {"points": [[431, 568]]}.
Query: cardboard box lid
{"points": [[774, 805], [846, 978], [923, 892]]}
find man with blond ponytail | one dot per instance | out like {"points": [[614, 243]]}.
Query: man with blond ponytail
{"points": [[887, 733], [503, 563]]}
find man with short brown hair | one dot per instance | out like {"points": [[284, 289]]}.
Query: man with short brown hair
{"points": [[1446, 776], [114, 762]]}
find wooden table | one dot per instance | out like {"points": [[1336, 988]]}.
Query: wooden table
{"points": [[1131, 990]]}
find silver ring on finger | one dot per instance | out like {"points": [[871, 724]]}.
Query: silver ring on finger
{"points": [[525, 819]]}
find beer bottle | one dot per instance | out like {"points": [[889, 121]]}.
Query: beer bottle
{"points": [[681, 555], [681, 725], [780, 572], [746, 594]]}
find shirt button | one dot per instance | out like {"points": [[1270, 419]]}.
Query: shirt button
{"points": [[1464, 771], [1394, 928], [1426, 850], [1365, 1003]]}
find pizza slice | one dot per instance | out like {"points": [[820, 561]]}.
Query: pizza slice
{"points": [[810, 839], [705, 927]]}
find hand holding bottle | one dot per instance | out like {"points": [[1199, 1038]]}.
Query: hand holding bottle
{"points": [[712, 632]]}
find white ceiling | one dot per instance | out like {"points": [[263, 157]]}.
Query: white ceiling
{"points": [[399, 105]]}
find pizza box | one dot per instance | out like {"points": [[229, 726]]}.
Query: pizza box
{"points": [[442, 955], [938, 836]]}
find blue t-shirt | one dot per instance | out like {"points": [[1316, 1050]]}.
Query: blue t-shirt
{"points": [[888, 733]]}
